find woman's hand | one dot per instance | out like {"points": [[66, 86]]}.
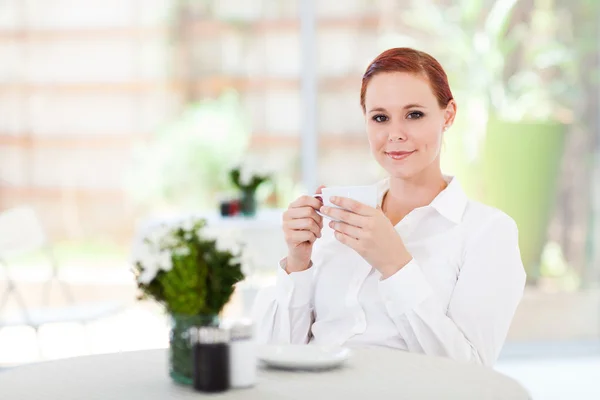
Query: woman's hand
{"points": [[301, 228], [370, 233]]}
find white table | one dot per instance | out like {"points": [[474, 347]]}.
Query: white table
{"points": [[374, 373]]}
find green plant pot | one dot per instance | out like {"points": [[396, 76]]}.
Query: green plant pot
{"points": [[248, 203], [181, 366], [521, 162]]}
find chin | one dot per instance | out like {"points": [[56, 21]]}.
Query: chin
{"points": [[405, 171], [402, 173]]}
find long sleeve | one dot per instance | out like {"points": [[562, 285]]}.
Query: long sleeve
{"points": [[488, 290], [284, 313]]}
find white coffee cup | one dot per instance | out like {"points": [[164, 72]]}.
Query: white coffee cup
{"points": [[363, 194]]}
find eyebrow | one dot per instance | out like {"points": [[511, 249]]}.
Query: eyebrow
{"points": [[406, 107]]}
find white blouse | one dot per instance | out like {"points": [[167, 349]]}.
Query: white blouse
{"points": [[456, 298]]}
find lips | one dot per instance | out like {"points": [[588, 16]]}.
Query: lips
{"points": [[398, 155]]}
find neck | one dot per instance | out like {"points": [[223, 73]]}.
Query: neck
{"points": [[405, 195]]}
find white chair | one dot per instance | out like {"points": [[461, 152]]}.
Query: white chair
{"points": [[20, 233]]}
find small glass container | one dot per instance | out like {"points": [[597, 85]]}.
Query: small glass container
{"points": [[181, 352], [211, 359], [242, 355]]}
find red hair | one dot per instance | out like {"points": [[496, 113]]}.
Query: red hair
{"points": [[404, 59]]}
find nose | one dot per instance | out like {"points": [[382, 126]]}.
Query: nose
{"points": [[396, 133]]}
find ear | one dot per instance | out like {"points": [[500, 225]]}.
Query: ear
{"points": [[450, 113]]}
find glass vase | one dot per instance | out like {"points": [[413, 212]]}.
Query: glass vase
{"points": [[181, 365], [248, 203]]}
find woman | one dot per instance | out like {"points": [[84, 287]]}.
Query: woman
{"points": [[428, 270]]}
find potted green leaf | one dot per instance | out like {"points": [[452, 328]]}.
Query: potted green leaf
{"points": [[247, 183], [193, 276], [510, 76]]}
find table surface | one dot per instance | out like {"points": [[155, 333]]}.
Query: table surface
{"points": [[375, 373]]}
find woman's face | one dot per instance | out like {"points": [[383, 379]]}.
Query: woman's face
{"points": [[405, 123]]}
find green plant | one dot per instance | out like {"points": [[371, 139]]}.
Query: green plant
{"points": [[186, 271], [193, 276], [517, 67], [507, 60], [185, 165], [246, 183]]}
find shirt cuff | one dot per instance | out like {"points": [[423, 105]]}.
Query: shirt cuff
{"points": [[295, 289], [404, 290]]}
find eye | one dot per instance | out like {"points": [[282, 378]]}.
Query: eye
{"points": [[379, 118], [415, 115]]}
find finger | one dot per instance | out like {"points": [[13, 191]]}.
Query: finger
{"points": [[352, 205], [346, 229], [344, 216], [297, 237], [307, 224], [306, 200], [302, 213], [347, 240], [319, 189]]}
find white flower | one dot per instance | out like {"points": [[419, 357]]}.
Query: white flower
{"points": [[165, 261], [153, 262], [207, 233], [225, 244], [140, 248], [151, 258], [169, 241], [188, 225], [182, 251], [236, 260], [158, 234], [142, 252], [147, 276], [149, 266]]}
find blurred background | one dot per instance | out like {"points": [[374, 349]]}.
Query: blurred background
{"points": [[117, 115]]}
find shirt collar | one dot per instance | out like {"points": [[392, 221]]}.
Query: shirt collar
{"points": [[450, 203]]}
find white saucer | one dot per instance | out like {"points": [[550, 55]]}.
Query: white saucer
{"points": [[306, 357]]}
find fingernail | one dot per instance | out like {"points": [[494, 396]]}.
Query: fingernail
{"points": [[331, 225], [333, 198]]}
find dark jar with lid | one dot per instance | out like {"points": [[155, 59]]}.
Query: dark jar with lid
{"points": [[211, 359]]}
